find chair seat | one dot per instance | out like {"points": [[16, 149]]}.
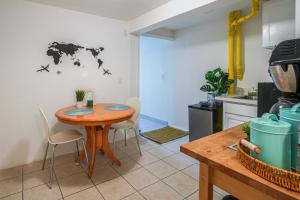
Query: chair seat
{"points": [[124, 125], [65, 136]]}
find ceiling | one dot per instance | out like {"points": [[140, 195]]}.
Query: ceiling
{"points": [[208, 13], [118, 9]]}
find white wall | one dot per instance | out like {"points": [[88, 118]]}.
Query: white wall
{"points": [[297, 16], [154, 77], [26, 30], [184, 63], [134, 65]]}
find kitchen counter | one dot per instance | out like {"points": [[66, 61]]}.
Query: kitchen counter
{"points": [[219, 166], [235, 99], [237, 110]]}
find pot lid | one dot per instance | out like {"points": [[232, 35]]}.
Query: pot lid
{"points": [[292, 113], [286, 52], [270, 123]]}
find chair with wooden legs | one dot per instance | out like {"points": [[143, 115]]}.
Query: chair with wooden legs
{"points": [[58, 138], [131, 124]]}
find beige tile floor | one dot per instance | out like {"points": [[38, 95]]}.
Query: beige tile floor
{"points": [[161, 173]]}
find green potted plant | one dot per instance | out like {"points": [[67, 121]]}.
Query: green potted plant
{"points": [[79, 98], [246, 128], [217, 83]]}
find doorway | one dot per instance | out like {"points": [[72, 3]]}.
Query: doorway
{"points": [[154, 88]]}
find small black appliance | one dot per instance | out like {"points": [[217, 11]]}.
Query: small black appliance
{"points": [[204, 120], [284, 68], [267, 96]]}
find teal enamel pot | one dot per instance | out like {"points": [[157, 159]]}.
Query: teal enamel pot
{"points": [[273, 137], [292, 116]]}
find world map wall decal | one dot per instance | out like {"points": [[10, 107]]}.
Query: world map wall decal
{"points": [[57, 50]]}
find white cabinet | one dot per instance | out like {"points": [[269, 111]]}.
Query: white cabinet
{"points": [[231, 120], [278, 18], [235, 114]]}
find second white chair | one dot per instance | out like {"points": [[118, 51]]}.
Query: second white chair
{"points": [[132, 123], [61, 137]]}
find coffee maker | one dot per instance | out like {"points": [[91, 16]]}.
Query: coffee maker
{"points": [[284, 68]]}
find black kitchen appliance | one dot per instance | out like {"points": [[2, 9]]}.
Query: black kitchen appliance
{"points": [[267, 96], [284, 68], [204, 120]]}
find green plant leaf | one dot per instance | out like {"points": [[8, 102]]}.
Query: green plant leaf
{"points": [[206, 88], [246, 129], [216, 81], [80, 95]]}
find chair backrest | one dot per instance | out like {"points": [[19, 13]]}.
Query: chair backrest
{"points": [[135, 103], [45, 123]]}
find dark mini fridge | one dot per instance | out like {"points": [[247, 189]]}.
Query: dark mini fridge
{"points": [[204, 120]]}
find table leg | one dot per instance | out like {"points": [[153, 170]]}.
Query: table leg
{"points": [[205, 186], [99, 138], [93, 133], [105, 145]]}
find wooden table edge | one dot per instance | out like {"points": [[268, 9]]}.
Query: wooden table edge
{"points": [[92, 123]]}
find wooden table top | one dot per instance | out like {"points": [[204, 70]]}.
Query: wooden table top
{"points": [[213, 151], [100, 116]]}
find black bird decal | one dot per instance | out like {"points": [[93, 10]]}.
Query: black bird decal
{"points": [[106, 72], [43, 68]]}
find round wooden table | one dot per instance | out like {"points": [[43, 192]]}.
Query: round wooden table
{"points": [[97, 125]]}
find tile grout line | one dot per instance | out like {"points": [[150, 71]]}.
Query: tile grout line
{"points": [[161, 159], [58, 184], [141, 166], [97, 188], [136, 191], [174, 188], [14, 193], [10, 195], [190, 195], [79, 191], [178, 192], [178, 170], [56, 179], [129, 156], [74, 153], [94, 184], [73, 174], [159, 179], [181, 170]]}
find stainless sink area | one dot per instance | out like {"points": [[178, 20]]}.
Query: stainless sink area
{"points": [[246, 97]]}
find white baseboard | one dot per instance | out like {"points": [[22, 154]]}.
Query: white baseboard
{"points": [[179, 127], [154, 119]]}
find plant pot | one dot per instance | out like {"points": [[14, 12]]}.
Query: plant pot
{"points": [[79, 104], [211, 99]]}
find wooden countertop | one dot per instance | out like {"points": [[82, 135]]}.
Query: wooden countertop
{"points": [[213, 151]]}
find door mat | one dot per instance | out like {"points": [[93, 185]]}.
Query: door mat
{"points": [[164, 135]]}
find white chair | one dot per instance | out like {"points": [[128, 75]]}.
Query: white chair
{"points": [[132, 123], [61, 137]]}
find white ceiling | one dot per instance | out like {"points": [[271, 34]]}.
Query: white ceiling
{"points": [[208, 13], [117, 9]]}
